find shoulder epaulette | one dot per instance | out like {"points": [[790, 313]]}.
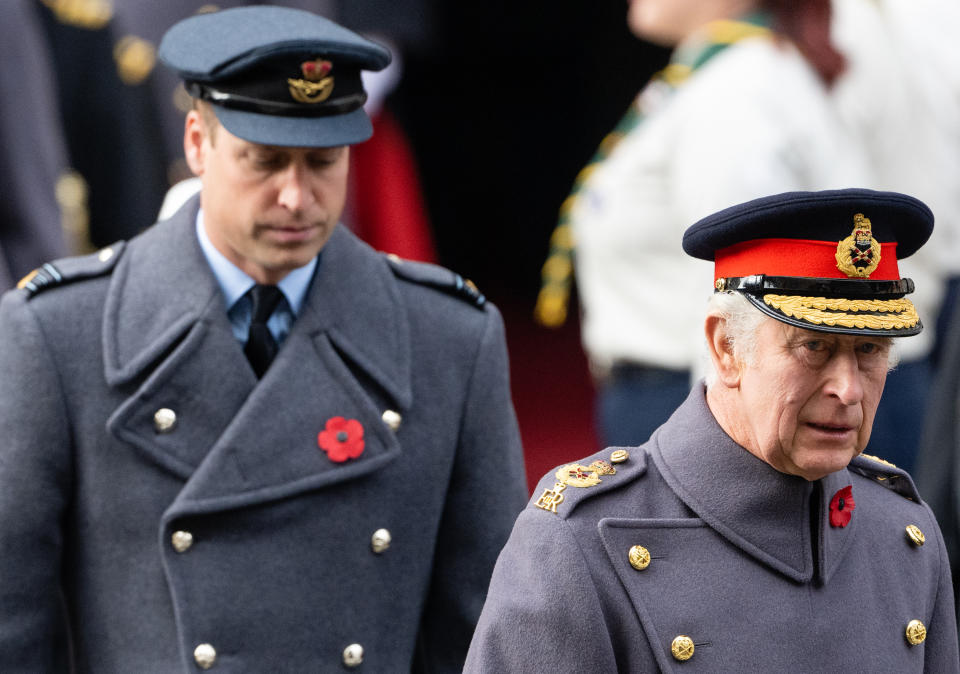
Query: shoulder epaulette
{"points": [[70, 269], [886, 474], [438, 277], [561, 491]]}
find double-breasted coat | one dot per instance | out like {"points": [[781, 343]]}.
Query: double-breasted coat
{"points": [[162, 509], [696, 556]]}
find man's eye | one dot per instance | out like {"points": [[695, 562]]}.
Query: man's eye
{"points": [[814, 345], [869, 347], [268, 163], [320, 162]]}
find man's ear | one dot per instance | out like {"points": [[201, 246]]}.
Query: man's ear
{"points": [[720, 349], [194, 135]]}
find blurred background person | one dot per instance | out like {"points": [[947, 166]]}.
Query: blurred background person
{"points": [[33, 159], [742, 110]]}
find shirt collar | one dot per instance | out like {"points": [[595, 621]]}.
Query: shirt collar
{"points": [[235, 283]]}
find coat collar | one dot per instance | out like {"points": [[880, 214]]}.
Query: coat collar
{"points": [[765, 513], [162, 287]]}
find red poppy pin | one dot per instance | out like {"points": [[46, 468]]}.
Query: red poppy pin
{"points": [[342, 439], [841, 507]]}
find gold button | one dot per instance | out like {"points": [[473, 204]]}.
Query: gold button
{"points": [[105, 254], [181, 540], [915, 535], [205, 655], [721, 284], [164, 420], [620, 456], [353, 655], [391, 419], [682, 648], [380, 540], [916, 632], [639, 557]]}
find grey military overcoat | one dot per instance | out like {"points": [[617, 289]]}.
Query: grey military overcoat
{"points": [[738, 558], [274, 567]]}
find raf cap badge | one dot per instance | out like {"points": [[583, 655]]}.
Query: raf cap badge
{"points": [[316, 85]]}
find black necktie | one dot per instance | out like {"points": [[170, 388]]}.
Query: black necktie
{"points": [[261, 347]]}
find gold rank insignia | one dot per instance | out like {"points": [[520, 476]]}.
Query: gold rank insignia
{"points": [[858, 255], [551, 498], [315, 86], [575, 475], [603, 467]]}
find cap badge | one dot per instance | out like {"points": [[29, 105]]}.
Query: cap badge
{"points": [[858, 255], [316, 85]]}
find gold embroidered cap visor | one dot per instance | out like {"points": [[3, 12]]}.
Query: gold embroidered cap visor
{"points": [[276, 75], [823, 261]]}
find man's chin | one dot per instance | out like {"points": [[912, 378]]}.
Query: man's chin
{"points": [[822, 462]]}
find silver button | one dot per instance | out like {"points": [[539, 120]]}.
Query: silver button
{"points": [[105, 254], [164, 420], [392, 419], [205, 655], [181, 540], [380, 540], [353, 655]]}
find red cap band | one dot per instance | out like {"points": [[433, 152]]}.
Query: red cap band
{"points": [[795, 257]]}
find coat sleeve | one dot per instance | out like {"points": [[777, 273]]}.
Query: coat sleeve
{"points": [[487, 490], [542, 613], [34, 486]]}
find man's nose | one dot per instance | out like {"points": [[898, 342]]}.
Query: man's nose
{"points": [[295, 192], [844, 379]]}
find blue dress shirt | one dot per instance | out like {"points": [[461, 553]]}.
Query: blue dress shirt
{"points": [[235, 284]]}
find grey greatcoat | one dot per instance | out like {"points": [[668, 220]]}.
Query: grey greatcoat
{"points": [[732, 565], [281, 575]]}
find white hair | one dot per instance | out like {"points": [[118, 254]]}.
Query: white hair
{"points": [[743, 321]]}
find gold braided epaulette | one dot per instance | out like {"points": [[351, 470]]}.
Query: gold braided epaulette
{"points": [[886, 474]]}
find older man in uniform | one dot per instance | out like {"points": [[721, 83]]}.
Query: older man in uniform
{"points": [[749, 534], [244, 440]]}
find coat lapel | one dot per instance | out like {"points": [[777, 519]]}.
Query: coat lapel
{"points": [[167, 339]]}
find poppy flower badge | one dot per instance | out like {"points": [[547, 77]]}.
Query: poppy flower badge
{"points": [[841, 507], [341, 439]]}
